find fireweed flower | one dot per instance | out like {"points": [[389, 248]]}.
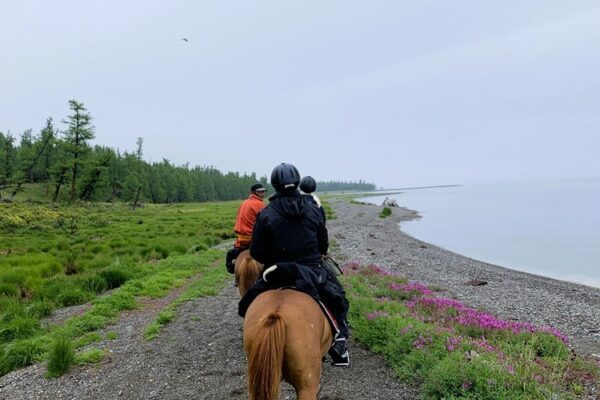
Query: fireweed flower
{"points": [[483, 344], [351, 267], [412, 287], [375, 269], [453, 342], [421, 342], [467, 316]]}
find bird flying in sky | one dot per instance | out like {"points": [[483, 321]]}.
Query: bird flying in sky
{"points": [[185, 40]]}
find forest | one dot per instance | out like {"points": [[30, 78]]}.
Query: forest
{"points": [[62, 160]]}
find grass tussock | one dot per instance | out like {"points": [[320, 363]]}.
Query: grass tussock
{"points": [[90, 357], [60, 357], [454, 351]]}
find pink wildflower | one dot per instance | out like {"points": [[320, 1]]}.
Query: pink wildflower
{"points": [[470, 317], [377, 270], [412, 287], [453, 342], [483, 344], [421, 342]]}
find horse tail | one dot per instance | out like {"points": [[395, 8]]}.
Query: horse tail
{"points": [[248, 274], [265, 360]]}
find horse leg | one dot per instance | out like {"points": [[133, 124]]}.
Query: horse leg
{"points": [[308, 393], [307, 378]]}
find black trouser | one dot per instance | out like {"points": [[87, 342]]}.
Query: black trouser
{"points": [[333, 295]]}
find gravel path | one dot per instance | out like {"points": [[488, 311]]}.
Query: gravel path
{"points": [[199, 355]]}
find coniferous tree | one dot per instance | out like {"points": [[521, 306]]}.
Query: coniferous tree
{"points": [[79, 132], [8, 159]]}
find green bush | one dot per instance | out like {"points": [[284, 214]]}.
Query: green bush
{"points": [[61, 357], [386, 212]]}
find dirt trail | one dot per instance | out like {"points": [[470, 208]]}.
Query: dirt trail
{"points": [[199, 355]]}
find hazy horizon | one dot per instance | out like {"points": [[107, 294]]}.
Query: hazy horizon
{"points": [[396, 93]]}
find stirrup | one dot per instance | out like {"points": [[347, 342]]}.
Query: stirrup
{"points": [[337, 359], [342, 360]]}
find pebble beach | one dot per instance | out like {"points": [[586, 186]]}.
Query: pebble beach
{"points": [[357, 233]]}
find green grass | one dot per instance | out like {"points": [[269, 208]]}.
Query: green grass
{"points": [[475, 356], [329, 212], [112, 335], [90, 357], [210, 284], [60, 357], [386, 212], [47, 263]]}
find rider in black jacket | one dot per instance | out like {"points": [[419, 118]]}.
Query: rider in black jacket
{"points": [[291, 228]]}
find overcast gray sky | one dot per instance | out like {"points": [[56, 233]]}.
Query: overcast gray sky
{"points": [[399, 93]]}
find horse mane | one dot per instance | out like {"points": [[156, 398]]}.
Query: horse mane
{"points": [[247, 273], [265, 360]]}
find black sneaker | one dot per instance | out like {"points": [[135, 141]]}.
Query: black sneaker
{"points": [[339, 354]]}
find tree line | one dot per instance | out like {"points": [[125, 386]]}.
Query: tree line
{"points": [[72, 169]]}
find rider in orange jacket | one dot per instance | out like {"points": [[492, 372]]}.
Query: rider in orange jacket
{"points": [[246, 216]]}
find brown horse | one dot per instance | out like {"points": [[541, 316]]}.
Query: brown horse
{"points": [[286, 336], [247, 270]]}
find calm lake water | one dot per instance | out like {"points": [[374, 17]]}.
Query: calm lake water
{"points": [[549, 228]]}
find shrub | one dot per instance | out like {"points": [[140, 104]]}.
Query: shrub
{"points": [[61, 357], [386, 212]]}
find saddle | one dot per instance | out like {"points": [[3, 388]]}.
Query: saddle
{"points": [[291, 275]]}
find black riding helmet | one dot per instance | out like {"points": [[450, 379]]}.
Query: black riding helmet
{"points": [[285, 176], [308, 184]]}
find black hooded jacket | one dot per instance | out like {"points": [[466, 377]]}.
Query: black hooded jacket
{"points": [[289, 229]]}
